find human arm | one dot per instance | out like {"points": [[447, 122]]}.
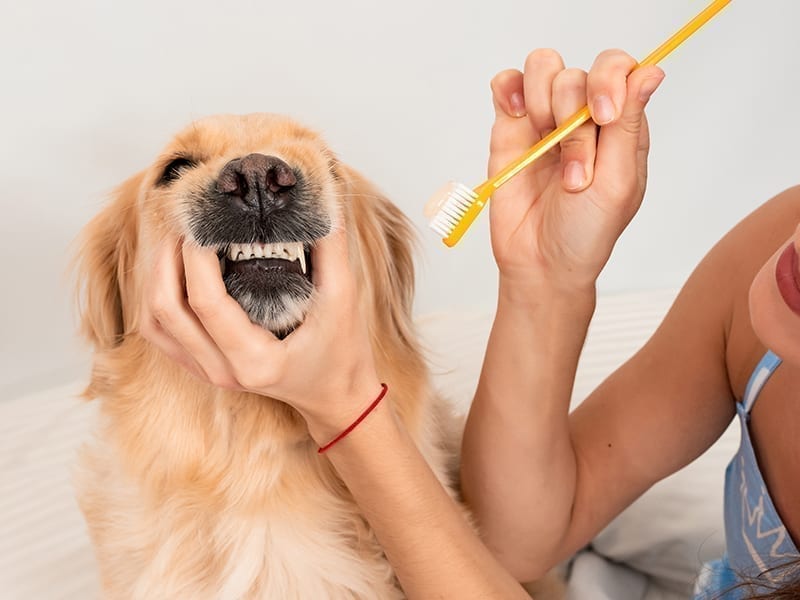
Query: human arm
{"points": [[543, 483], [325, 369]]}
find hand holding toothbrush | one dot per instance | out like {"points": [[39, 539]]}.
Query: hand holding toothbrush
{"points": [[556, 223]]}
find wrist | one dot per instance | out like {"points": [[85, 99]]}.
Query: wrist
{"points": [[532, 293], [338, 410], [549, 321]]}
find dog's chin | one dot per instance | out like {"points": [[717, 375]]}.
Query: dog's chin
{"points": [[272, 296]]}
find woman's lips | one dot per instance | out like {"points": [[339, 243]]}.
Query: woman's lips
{"points": [[786, 275]]}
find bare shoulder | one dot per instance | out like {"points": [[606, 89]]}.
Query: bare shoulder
{"points": [[760, 233], [735, 261], [718, 288]]}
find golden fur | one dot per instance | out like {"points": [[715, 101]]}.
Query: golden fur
{"points": [[192, 491]]}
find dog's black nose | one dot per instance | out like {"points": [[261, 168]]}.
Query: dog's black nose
{"points": [[258, 181]]}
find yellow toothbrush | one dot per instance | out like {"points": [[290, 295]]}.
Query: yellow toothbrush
{"points": [[453, 208]]}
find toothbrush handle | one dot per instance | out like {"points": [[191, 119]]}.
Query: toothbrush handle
{"points": [[580, 117], [542, 147]]}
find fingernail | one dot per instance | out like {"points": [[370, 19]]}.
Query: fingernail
{"points": [[604, 111], [517, 105], [574, 175], [649, 86]]}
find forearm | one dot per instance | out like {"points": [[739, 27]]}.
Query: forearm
{"points": [[518, 463], [432, 548]]}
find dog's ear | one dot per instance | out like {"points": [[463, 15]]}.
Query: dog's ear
{"points": [[103, 267], [385, 244]]}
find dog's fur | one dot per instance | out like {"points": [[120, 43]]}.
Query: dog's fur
{"points": [[192, 491]]}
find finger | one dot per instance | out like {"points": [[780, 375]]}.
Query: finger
{"points": [[577, 150], [508, 94], [335, 296], [167, 305], [239, 339], [511, 134], [331, 259], [606, 85], [623, 145], [541, 68], [161, 339]]}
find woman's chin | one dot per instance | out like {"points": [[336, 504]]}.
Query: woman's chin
{"points": [[775, 324]]}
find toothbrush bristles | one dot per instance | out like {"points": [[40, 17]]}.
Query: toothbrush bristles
{"points": [[452, 204]]}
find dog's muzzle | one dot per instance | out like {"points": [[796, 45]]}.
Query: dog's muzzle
{"points": [[263, 216]]}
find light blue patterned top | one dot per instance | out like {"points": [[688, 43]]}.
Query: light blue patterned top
{"points": [[755, 537]]}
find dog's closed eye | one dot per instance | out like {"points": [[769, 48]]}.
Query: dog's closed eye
{"points": [[174, 169]]}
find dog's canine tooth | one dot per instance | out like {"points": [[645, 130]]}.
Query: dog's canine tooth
{"points": [[302, 257]]}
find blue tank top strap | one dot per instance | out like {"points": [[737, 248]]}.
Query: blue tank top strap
{"points": [[769, 362], [756, 540]]}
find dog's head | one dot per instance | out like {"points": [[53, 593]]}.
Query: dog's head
{"points": [[260, 190]]}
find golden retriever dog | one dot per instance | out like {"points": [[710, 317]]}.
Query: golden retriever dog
{"points": [[192, 491]]}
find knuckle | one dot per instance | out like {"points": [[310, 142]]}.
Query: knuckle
{"points": [[497, 138], [575, 144], [157, 302], [616, 55], [252, 373], [159, 313], [256, 378], [502, 78], [221, 379], [149, 329], [541, 57], [203, 307], [570, 80]]}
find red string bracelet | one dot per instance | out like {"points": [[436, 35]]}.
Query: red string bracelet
{"points": [[354, 424]]}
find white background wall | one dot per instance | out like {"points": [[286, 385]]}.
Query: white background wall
{"points": [[90, 91]]}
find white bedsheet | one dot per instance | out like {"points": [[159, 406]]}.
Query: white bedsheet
{"points": [[650, 553]]}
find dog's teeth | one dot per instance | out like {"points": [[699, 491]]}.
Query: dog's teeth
{"points": [[291, 252], [302, 257]]}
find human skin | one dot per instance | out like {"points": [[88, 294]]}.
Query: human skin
{"points": [[543, 482]]}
